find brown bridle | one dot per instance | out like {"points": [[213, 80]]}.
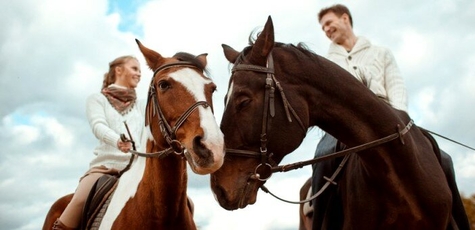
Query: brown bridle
{"points": [[265, 169], [168, 132]]}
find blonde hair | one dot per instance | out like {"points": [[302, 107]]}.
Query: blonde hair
{"points": [[110, 77]]}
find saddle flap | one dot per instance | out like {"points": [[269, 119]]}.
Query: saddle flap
{"points": [[100, 192]]}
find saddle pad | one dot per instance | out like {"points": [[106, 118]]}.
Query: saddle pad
{"points": [[100, 192]]}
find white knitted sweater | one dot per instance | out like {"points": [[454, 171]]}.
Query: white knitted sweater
{"points": [[107, 124], [377, 66]]}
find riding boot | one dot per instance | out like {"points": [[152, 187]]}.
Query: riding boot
{"points": [[58, 225], [327, 204], [458, 210]]}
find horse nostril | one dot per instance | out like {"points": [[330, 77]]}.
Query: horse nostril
{"points": [[201, 150]]}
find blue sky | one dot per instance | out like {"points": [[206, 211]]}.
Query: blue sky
{"points": [[128, 14], [54, 54]]}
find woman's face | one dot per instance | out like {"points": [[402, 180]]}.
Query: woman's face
{"points": [[128, 74]]}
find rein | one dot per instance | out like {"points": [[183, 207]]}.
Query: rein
{"points": [[264, 170], [168, 132], [284, 168], [399, 134]]}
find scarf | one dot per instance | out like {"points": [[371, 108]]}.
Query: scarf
{"points": [[122, 99]]}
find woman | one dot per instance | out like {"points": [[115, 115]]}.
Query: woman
{"points": [[106, 113]]}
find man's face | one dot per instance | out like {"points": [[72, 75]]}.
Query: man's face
{"points": [[334, 27]]}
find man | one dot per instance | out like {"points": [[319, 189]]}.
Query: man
{"points": [[375, 67]]}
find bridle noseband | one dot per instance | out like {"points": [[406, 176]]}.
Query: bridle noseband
{"points": [[168, 132]]}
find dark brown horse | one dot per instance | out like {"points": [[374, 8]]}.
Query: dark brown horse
{"points": [[277, 91], [181, 128]]}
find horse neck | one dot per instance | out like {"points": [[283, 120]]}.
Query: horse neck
{"points": [[347, 109], [164, 183]]}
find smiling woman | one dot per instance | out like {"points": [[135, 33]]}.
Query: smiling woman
{"points": [[105, 112], [151, 190]]}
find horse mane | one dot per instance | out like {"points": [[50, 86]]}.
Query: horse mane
{"points": [[301, 50], [184, 56]]}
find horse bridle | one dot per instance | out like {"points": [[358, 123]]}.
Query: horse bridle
{"points": [[265, 167], [263, 171], [168, 132]]}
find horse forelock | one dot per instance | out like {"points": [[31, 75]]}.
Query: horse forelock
{"points": [[183, 56]]}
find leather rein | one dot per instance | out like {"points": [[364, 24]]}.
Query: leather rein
{"points": [[168, 132], [265, 169]]}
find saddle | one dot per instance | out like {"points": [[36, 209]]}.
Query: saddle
{"points": [[98, 201]]}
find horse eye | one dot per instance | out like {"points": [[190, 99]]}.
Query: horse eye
{"points": [[243, 104], [164, 85]]}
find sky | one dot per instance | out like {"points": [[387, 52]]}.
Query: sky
{"points": [[53, 54]]}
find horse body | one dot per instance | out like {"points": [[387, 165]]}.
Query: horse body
{"points": [[180, 128], [165, 208], [396, 185]]}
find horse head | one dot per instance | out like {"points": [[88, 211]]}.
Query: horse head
{"points": [[254, 107], [179, 110]]}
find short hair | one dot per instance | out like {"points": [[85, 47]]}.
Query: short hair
{"points": [[338, 10]]}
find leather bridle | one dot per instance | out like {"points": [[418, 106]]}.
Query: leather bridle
{"points": [[264, 170], [168, 132]]}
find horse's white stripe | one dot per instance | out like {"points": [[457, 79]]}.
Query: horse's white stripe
{"points": [[194, 83], [230, 93], [127, 187]]}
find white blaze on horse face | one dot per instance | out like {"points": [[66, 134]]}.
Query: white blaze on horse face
{"points": [[230, 93], [213, 137]]}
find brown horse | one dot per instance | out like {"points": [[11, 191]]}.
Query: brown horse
{"points": [[181, 128], [277, 91]]}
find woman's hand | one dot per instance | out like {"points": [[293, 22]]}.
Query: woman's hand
{"points": [[124, 146]]}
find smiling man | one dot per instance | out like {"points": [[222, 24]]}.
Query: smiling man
{"points": [[373, 65]]}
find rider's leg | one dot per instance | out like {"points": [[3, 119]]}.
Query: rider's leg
{"points": [[458, 210], [327, 145], [73, 212]]}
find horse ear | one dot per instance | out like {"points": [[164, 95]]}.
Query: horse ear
{"points": [[202, 59], [264, 44], [154, 59], [230, 53]]}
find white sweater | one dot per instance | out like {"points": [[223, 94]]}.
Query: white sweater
{"points": [[107, 124], [377, 66]]}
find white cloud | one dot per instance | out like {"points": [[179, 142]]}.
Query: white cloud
{"points": [[25, 134], [415, 48]]}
